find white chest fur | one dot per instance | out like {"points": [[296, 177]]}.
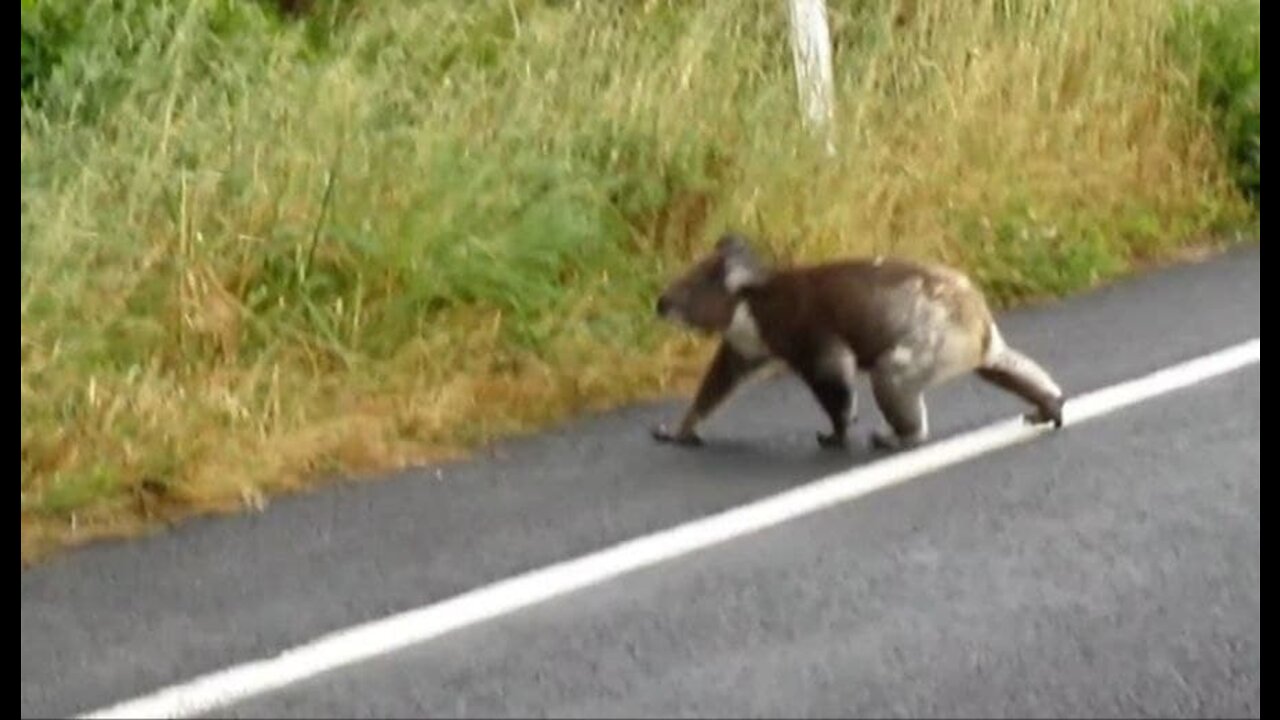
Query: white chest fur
{"points": [[743, 335]]}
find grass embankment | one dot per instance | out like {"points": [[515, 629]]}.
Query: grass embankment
{"points": [[259, 251]]}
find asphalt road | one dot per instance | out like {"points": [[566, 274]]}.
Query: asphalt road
{"points": [[1110, 568]]}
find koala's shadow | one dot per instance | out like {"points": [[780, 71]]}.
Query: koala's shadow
{"points": [[793, 455]]}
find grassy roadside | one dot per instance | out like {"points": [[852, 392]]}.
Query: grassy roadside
{"points": [[257, 252]]}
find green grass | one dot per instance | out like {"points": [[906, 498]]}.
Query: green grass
{"points": [[259, 251], [1221, 42]]}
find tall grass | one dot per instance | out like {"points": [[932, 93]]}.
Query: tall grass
{"points": [[1221, 44], [259, 252]]}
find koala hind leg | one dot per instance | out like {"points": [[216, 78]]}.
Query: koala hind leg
{"points": [[901, 401], [1014, 372]]}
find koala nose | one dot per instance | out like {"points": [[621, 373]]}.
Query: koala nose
{"points": [[663, 305]]}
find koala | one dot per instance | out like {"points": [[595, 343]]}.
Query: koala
{"points": [[910, 326]]}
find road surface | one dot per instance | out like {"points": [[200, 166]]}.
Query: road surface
{"points": [[1111, 568]]}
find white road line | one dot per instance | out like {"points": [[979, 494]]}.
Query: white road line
{"points": [[379, 637]]}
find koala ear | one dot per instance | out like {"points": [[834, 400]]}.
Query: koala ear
{"points": [[741, 268], [732, 242]]}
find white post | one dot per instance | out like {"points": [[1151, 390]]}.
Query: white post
{"points": [[811, 50]]}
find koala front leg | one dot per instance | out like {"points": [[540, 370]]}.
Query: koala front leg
{"points": [[830, 377], [727, 371]]}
